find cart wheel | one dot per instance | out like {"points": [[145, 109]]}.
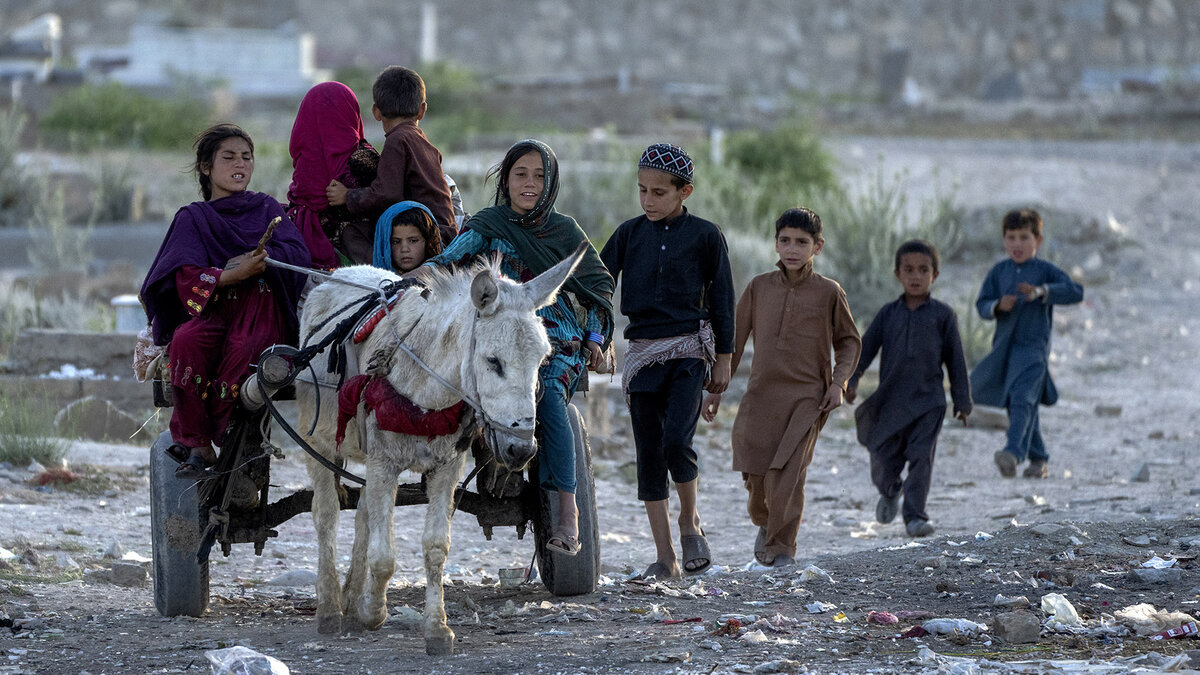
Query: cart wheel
{"points": [[564, 574], [176, 525]]}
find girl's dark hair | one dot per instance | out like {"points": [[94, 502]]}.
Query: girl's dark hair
{"points": [[425, 225], [207, 144], [1020, 219], [919, 246], [802, 218]]}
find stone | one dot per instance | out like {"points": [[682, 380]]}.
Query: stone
{"points": [[984, 417], [1108, 410], [1140, 540], [1142, 475], [97, 419], [1014, 602], [114, 551], [1017, 627], [1046, 529], [845, 521], [1155, 576], [947, 587], [293, 578], [127, 574], [936, 562], [65, 561]]}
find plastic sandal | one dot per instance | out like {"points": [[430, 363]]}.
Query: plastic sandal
{"points": [[659, 571], [695, 548], [191, 468], [561, 542]]}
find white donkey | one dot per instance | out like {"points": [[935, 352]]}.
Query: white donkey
{"points": [[479, 333]]}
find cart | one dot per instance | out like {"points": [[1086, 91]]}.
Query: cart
{"points": [[234, 506]]}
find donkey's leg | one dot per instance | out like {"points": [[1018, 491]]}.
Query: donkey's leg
{"points": [[325, 508], [379, 494], [439, 487], [357, 574]]}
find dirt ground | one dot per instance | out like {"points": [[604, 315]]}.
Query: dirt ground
{"points": [[1122, 361]]}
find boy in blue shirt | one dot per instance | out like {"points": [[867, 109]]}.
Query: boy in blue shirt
{"points": [[1020, 294], [900, 422]]}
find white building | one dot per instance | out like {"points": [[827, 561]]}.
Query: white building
{"points": [[253, 62]]}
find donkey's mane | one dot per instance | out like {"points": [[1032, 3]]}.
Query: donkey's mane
{"points": [[451, 280]]}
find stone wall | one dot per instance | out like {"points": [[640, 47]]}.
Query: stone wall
{"points": [[949, 48]]}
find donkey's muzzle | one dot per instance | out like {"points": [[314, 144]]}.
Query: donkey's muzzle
{"points": [[514, 448]]}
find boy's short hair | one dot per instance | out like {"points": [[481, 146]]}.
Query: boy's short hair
{"points": [[670, 159], [802, 218], [1020, 219], [398, 92], [919, 246]]}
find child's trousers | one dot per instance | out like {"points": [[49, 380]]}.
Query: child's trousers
{"points": [[1024, 430], [913, 445], [776, 500], [664, 406]]}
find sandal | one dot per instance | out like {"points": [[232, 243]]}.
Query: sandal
{"points": [[561, 542], [191, 468], [695, 549], [659, 571]]}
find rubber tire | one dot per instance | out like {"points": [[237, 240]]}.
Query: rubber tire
{"points": [[564, 574], [180, 581]]}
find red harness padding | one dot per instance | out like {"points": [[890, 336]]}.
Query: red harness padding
{"points": [[393, 411], [364, 331]]}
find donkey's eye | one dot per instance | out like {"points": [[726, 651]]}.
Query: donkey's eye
{"points": [[495, 365]]}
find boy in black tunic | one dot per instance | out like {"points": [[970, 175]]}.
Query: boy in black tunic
{"points": [[899, 423]]}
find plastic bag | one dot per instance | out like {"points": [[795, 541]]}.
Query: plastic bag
{"points": [[241, 660], [954, 627], [146, 355], [1060, 609], [1145, 619]]}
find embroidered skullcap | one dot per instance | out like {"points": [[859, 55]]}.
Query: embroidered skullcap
{"points": [[669, 158]]}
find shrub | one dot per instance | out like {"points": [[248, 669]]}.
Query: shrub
{"points": [[26, 432], [21, 308], [111, 114], [862, 233], [16, 186], [57, 246]]}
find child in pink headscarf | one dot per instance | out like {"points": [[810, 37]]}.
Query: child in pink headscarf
{"points": [[327, 144]]}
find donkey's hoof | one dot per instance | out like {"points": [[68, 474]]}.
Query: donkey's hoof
{"points": [[329, 625], [351, 624], [439, 646]]}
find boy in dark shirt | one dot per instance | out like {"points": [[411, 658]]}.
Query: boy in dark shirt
{"points": [[410, 168], [899, 423], [677, 291]]}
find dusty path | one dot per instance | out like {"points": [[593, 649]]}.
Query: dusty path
{"points": [[1132, 345]]}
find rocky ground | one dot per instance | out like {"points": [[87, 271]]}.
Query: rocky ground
{"points": [[1122, 493]]}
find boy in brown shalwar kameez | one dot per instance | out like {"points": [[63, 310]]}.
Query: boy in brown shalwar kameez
{"points": [[797, 317]]}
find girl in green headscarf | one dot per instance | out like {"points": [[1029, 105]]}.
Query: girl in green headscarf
{"points": [[532, 237]]}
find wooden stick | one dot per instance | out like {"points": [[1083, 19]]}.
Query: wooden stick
{"points": [[262, 243]]}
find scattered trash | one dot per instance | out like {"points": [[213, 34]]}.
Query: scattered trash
{"points": [[1155, 576], [1141, 540], [1159, 563], [1145, 619], [954, 627], [915, 632], [511, 576], [882, 618], [819, 607], [841, 617], [6, 554], [776, 624], [241, 660], [1006, 601], [983, 536], [1188, 629], [1036, 500], [935, 562], [754, 637], [914, 614], [694, 619], [730, 628], [1150, 662], [1061, 611], [812, 573]]}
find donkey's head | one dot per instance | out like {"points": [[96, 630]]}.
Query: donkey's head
{"points": [[510, 345]]}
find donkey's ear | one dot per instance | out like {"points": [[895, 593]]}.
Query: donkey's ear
{"points": [[543, 288], [483, 290]]}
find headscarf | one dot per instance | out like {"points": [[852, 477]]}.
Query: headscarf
{"points": [[382, 253], [328, 128], [208, 234], [543, 237]]}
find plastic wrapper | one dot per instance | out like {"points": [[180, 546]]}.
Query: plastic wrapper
{"points": [[241, 660]]}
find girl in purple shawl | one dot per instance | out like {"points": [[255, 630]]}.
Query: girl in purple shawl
{"points": [[212, 300]]}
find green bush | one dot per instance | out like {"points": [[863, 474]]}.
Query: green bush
{"points": [[862, 233], [111, 114], [16, 186], [26, 432], [21, 308]]}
